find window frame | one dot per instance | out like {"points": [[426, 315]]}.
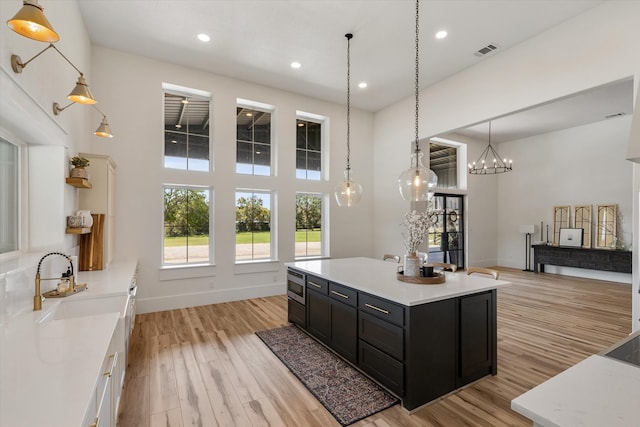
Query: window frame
{"points": [[264, 108], [191, 93], [323, 121], [210, 213], [17, 225], [273, 247], [324, 224]]}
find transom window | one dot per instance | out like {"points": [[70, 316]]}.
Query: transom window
{"points": [[187, 235], [308, 150], [186, 132], [309, 221], [253, 139], [253, 225]]}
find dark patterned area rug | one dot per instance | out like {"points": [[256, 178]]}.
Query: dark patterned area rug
{"points": [[345, 392]]}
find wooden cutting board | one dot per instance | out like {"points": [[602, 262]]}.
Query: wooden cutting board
{"points": [[92, 246]]}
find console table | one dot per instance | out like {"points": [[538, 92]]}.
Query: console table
{"points": [[594, 259]]}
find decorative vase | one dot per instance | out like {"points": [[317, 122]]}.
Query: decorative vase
{"points": [[87, 219], [412, 265], [79, 172]]}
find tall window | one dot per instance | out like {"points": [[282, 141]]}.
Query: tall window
{"points": [[186, 132], [9, 185], [253, 225], [253, 139], [308, 150], [187, 237], [308, 225]]}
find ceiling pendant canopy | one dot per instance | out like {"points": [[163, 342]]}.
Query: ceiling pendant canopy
{"points": [[348, 193], [490, 162], [417, 183]]}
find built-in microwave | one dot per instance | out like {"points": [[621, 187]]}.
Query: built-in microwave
{"points": [[296, 286]]}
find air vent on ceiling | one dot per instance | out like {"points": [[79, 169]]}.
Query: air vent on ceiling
{"points": [[487, 49], [610, 116]]}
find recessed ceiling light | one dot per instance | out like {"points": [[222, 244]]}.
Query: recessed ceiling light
{"points": [[173, 141], [249, 114], [300, 124], [178, 126], [185, 101], [203, 37], [441, 34], [295, 65], [362, 85]]}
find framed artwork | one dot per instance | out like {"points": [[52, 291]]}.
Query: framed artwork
{"points": [[570, 237], [560, 220], [582, 219], [606, 216]]}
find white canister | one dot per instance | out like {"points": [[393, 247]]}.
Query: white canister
{"points": [[88, 219], [412, 265]]}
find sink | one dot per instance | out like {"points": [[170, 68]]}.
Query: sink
{"points": [[82, 307]]}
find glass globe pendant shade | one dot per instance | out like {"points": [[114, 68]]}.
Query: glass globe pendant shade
{"points": [[348, 193], [417, 184]]}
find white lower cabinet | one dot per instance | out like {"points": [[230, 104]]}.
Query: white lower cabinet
{"points": [[103, 407]]}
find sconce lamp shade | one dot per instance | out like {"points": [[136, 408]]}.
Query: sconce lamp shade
{"points": [[30, 22], [527, 229], [417, 184], [81, 93], [103, 130]]}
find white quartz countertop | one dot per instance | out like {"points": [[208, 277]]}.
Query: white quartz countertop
{"points": [[49, 368], [378, 278], [597, 392]]}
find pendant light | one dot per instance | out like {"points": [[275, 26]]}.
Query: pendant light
{"points": [[348, 193], [490, 162], [417, 183], [30, 22]]}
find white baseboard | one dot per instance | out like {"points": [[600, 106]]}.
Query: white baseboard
{"points": [[214, 296]]}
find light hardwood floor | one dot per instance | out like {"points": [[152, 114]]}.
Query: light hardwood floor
{"points": [[204, 366]]}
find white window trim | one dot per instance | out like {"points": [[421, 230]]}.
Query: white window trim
{"points": [[265, 108]]}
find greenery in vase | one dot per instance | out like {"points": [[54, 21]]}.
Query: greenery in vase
{"points": [[417, 226], [79, 162]]}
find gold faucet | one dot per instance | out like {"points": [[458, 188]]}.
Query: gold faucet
{"points": [[37, 298]]}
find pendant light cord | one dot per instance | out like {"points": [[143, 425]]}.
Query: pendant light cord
{"points": [[417, 76], [349, 36]]}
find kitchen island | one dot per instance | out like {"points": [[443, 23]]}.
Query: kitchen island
{"points": [[419, 341]]}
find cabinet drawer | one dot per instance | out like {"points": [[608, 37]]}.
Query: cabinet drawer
{"points": [[386, 370], [381, 308], [343, 294], [318, 284], [383, 335]]}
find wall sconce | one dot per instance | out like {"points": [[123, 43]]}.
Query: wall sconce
{"points": [[80, 92], [30, 22], [103, 130]]}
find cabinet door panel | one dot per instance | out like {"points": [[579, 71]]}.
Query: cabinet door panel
{"points": [[477, 326], [344, 330], [318, 320], [296, 313]]}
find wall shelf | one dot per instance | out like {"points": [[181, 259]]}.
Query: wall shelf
{"points": [[78, 230], [78, 182]]}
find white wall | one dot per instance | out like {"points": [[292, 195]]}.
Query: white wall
{"points": [[597, 47], [584, 165], [135, 103]]}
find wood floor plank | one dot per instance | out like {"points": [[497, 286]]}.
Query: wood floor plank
{"points": [[194, 404], [546, 323]]}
